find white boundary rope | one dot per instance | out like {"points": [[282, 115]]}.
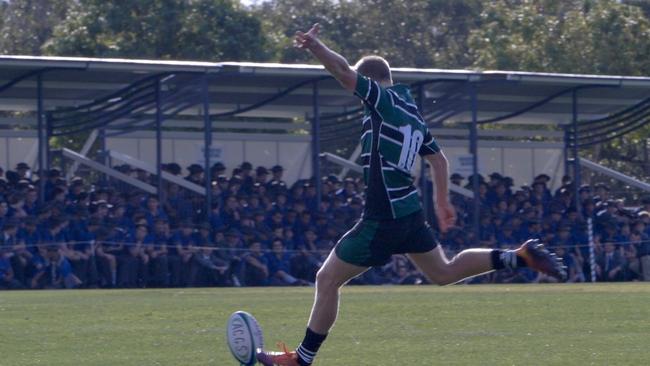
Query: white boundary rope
{"points": [[591, 244]]}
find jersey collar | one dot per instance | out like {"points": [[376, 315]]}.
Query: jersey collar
{"points": [[403, 91]]}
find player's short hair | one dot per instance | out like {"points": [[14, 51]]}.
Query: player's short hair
{"points": [[375, 68]]}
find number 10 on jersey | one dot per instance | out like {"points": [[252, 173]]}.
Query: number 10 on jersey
{"points": [[410, 146]]}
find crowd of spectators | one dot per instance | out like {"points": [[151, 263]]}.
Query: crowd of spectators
{"points": [[260, 231], [509, 216]]}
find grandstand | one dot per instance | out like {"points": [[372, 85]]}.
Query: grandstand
{"points": [[162, 173]]}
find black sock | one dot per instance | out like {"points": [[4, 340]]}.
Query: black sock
{"points": [[497, 263], [506, 259], [309, 347]]}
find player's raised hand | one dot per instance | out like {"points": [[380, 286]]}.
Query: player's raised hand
{"points": [[446, 216], [307, 40]]}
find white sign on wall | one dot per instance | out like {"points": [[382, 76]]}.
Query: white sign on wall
{"points": [[463, 164], [216, 154]]}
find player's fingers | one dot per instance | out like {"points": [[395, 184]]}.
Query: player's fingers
{"points": [[451, 221], [442, 225], [299, 40]]}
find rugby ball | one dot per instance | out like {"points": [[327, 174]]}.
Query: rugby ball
{"points": [[244, 337]]}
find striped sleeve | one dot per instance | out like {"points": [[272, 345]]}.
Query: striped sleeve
{"points": [[429, 146], [374, 96]]}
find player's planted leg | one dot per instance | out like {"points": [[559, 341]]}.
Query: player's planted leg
{"points": [[330, 278]]}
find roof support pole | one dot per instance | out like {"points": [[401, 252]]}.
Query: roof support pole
{"points": [[424, 182], [473, 143], [48, 148], [576, 155], [207, 127], [159, 119], [41, 137], [102, 153], [565, 149], [646, 156], [315, 145]]}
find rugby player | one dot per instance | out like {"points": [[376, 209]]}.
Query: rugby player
{"points": [[392, 221]]}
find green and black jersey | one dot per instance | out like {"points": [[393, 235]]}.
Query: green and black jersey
{"points": [[393, 132]]}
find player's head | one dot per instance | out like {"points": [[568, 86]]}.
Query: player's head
{"points": [[375, 68]]}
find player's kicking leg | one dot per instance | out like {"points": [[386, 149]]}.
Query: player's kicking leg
{"points": [[471, 262], [330, 278]]}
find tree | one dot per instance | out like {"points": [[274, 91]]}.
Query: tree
{"points": [[408, 33], [221, 30], [161, 29], [590, 37], [26, 24], [3, 7]]}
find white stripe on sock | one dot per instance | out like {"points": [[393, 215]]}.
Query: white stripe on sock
{"points": [[306, 351], [509, 259], [305, 359], [305, 355]]}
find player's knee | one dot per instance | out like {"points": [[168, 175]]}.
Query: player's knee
{"points": [[326, 281]]}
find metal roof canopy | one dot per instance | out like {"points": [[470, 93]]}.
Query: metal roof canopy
{"points": [[606, 104], [72, 81]]}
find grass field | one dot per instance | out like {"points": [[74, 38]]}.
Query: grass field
{"points": [[458, 325]]}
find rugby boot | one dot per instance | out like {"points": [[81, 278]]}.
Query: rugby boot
{"points": [[283, 358], [540, 259]]}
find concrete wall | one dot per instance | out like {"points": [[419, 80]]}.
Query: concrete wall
{"points": [[290, 151], [519, 160]]}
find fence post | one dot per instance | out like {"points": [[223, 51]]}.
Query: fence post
{"points": [[592, 255]]}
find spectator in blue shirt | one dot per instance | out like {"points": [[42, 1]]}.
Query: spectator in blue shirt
{"points": [[157, 251], [134, 261], [15, 250], [154, 211], [256, 271], [279, 263], [7, 280], [40, 263], [230, 213], [180, 253], [306, 261], [609, 264], [208, 267], [29, 234], [63, 275], [4, 208], [118, 217], [81, 254], [486, 231], [505, 238]]}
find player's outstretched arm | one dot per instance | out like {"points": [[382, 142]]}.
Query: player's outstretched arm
{"points": [[336, 64], [440, 172]]}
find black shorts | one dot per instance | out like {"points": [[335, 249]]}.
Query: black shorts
{"points": [[371, 243]]}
